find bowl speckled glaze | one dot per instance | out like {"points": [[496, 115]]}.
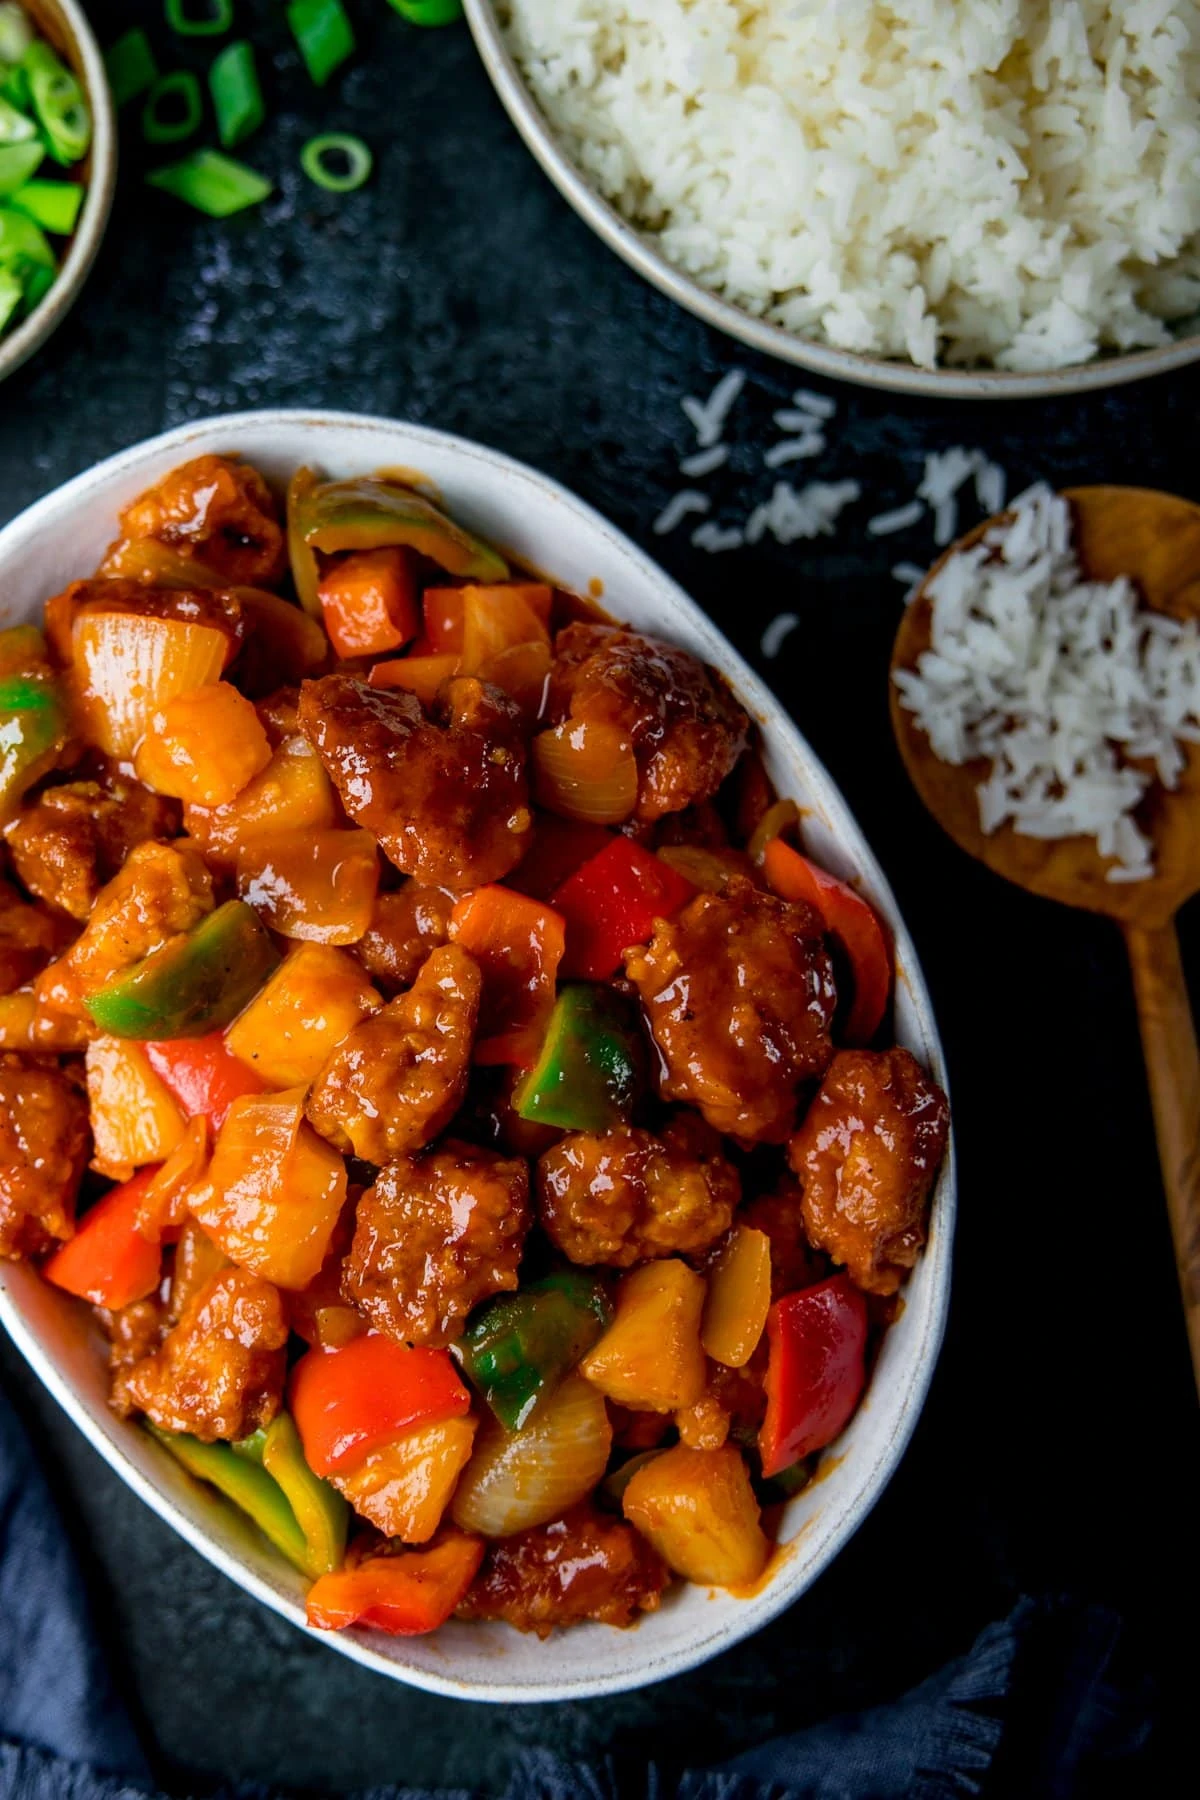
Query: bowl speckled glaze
{"points": [[639, 250], [63, 24], [63, 536]]}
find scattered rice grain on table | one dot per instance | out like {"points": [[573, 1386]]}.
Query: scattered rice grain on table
{"points": [[1001, 181]]}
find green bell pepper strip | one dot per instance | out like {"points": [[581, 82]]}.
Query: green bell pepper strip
{"points": [[54, 205], [17, 163], [246, 1483], [373, 513], [592, 1065], [58, 103], [321, 1512], [194, 984], [518, 1348], [33, 730]]}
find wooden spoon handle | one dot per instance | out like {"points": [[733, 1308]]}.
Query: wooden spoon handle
{"points": [[1173, 1065]]}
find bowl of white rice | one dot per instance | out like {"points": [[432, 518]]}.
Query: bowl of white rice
{"points": [[976, 198]]}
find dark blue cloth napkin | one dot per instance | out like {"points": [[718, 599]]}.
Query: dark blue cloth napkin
{"points": [[1033, 1708]]}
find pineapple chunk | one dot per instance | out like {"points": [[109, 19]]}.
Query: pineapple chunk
{"points": [[134, 1119], [404, 1488], [314, 999], [650, 1359], [697, 1508]]}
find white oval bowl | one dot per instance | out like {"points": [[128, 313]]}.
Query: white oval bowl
{"points": [[64, 24], [63, 536], [639, 250]]}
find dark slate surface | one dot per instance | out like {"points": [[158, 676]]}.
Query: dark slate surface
{"points": [[1058, 1450]]}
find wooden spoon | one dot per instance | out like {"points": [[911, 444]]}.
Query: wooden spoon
{"points": [[1155, 538]]}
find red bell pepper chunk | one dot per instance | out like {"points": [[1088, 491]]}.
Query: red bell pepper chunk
{"points": [[849, 919], [443, 613], [108, 1261], [404, 1595], [518, 944], [202, 1075], [611, 903], [816, 1371], [348, 1401], [559, 847]]}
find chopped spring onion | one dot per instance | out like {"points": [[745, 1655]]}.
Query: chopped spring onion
{"points": [[17, 163], [12, 292], [131, 66], [23, 246], [58, 103], [14, 86], [163, 121], [37, 286], [212, 183], [354, 156], [324, 33], [15, 127], [214, 18], [429, 12], [16, 33], [236, 94], [54, 205]]}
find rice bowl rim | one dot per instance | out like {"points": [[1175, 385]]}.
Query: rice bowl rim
{"points": [[639, 253]]}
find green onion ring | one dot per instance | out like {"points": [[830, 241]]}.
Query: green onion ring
{"points": [[217, 19], [180, 84], [312, 161]]}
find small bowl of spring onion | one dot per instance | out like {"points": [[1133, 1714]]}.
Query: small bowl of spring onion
{"points": [[57, 167]]}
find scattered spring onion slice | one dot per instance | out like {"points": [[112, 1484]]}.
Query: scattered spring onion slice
{"points": [[162, 122], [16, 33], [54, 205], [58, 103], [131, 66], [17, 163], [212, 183], [324, 33], [429, 12], [236, 95], [340, 146], [214, 18]]}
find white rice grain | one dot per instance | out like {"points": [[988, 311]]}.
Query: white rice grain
{"points": [[1062, 684]]}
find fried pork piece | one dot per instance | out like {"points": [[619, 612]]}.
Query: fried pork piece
{"points": [[626, 1196], [794, 1262], [586, 1565], [405, 926], [44, 1145], [867, 1155], [447, 796], [216, 511], [686, 728], [29, 938], [72, 839], [401, 1075], [436, 1235], [738, 991], [220, 1370], [161, 890]]}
